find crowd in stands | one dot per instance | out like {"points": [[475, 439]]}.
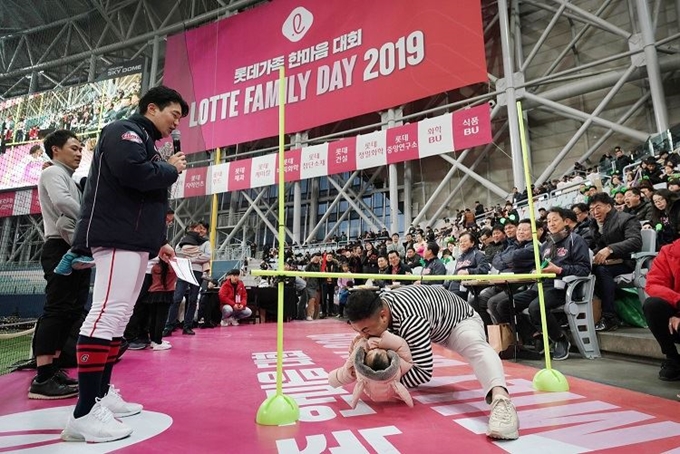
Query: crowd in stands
{"points": [[603, 221]]}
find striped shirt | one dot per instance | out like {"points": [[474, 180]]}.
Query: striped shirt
{"points": [[422, 315]]}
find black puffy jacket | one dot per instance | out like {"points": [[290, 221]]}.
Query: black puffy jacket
{"points": [[126, 194]]}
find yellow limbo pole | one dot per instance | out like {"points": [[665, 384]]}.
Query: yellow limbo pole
{"points": [[547, 379], [280, 409]]}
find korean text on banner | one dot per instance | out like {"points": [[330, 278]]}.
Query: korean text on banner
{"points": [[336, 69]]}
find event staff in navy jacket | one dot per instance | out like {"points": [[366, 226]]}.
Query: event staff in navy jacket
{"points": [[122, 220]]}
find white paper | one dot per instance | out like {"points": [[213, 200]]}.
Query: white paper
{"points": [[182, 268]]}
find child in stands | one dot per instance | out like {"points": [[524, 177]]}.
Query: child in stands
{"points": [[377, 364]]}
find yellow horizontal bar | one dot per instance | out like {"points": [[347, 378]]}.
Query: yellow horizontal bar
{"points": [[406, 277]]}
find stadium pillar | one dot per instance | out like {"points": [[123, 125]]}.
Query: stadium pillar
{"points": [[313, 213], [154, 61], [510, 95], [393, 118], [5, 238], [652, 62]]}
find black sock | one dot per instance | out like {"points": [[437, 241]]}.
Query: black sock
{"points": [[44, 373], [110, 361], [92, 354]]}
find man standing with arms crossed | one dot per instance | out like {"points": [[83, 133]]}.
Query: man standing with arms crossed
{"points": [[65, 296], [123, 222]]}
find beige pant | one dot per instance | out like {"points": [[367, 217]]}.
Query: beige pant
{"points": [[469, 340]]}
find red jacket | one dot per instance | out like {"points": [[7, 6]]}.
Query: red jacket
{"points": [[663, 279], [227, 293]]}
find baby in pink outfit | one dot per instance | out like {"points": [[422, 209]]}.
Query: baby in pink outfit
{"points": [[376, 364]]}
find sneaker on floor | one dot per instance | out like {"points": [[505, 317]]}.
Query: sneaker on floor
{"points": [[224, 323], [63, 378], [82, 262], [188, 331], [120, 409], [503, 422], [309, 319], [160, 347], [167, 332], [670, 370], [51, 389], [64, 266], [562, 347], [233, 321], [98, 426], [136, 345]]}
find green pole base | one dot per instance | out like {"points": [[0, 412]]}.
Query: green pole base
{"points": [[550, 380], [278, 410]]}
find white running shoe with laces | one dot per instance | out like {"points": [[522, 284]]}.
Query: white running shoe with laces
{"points": [[503, 422], [98, 426], [233, 321], [160, 347], [120, 409]]}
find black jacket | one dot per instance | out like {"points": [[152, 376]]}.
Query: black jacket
{"points": [[570, 253], [126, 194], [474, 261], [621, 233], [643, 212]]}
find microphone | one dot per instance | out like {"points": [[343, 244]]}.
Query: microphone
{"points": [[176, 135]]}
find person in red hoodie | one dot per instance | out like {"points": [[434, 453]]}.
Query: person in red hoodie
{"points": [[234, 299], [661, 308]]}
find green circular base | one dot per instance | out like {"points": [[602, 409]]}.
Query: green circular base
{"points": [[278, 410], [550, 380]]}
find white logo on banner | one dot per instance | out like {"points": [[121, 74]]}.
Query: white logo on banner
{"points": [[297, 25], [39, 431]]}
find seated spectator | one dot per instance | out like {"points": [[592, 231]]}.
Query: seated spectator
{"points": [[583, 222], [383, 268], [565, 254], [470, 261], [395, 245], [519, 260], [619, 199], [637, 205], [674, 184], [498, 244], [397, 267], [234, 299], [661, 308], [666, 216], [413, 260], [433, 266], [647, 189], [651, 170], [616, 235]]}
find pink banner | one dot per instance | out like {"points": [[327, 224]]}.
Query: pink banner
{"points": [[7, 204], [341, 59], [402, 143], [240, 175], [195, 183], [342, 156], [469, 127]]}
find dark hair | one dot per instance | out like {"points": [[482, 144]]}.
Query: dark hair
{"points": [[170, 211], [485, 232], [34, 148], [601, 197], [499, 227], [165, 269], [635, 191], [57, 139], [568, 214], [434, 247], [582, 207], [524, 221], [393, 251], [470, 235], [162, 97], [362, 304], [234, 272], [410, 248], [380, 362]]}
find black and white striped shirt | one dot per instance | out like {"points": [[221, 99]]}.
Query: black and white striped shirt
{"points": [[422, 315]]}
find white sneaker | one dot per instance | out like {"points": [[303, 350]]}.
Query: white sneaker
{"points": [[224, 323], [233, 321], [309, 319], [503, 422], [98, 426], [120, 409], [161, 346]]}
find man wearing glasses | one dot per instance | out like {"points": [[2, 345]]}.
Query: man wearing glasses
{"points": [[616, 235]]}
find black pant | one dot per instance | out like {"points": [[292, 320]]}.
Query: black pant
{"points": [[65, 299], [327, 294], [158, 314], [605, 287], [657, 313], [138, 325], [553, 298]]}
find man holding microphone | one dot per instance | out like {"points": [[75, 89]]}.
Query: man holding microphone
{"points": [[122, 220]]}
